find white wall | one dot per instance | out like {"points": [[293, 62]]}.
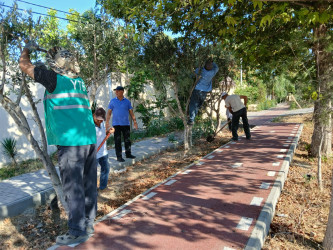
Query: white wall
{"points": [[8, 127]]}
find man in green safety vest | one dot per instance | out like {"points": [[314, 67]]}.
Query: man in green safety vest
{"points": [[69, 126]]}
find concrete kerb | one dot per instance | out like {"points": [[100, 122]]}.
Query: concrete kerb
{"points": [[19, 206], [42, 197], [265, 218]]}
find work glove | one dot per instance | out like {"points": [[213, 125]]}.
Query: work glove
{"points": [[31, 45]]}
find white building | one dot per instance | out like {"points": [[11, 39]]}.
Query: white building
{"points": [[8, 128]]}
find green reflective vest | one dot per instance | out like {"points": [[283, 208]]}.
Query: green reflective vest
{"points": [[68, 118]]}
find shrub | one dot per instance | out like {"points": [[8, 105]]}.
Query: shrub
{"points": [[155, 127], [293, 105], [9, 149], [203, 128], [266, 104]]}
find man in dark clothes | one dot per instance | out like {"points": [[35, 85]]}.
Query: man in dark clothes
{"points": [[238, 109], [69, 126]]}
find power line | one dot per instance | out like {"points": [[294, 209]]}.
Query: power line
{"points": [[40, 13], [49, 8]]}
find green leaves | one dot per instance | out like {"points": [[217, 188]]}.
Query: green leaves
{"points": [[314, 95], [9, 148], [136, 37], [324, 17], [230, 20], [266, 20], [258, 4]]}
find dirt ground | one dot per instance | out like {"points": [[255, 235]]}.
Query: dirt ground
{"points": [[302, 210], [299, 223]]}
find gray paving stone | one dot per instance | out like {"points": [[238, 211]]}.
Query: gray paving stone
{"points": [[31, 189]]}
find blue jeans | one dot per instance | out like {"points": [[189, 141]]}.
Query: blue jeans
{"points": [[197, 99], [105, 169], [235, 123]]}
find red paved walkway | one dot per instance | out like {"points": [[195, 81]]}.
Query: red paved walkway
{"points": [[213, 204]]}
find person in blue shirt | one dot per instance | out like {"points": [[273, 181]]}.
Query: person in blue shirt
{"points": [[204, 85], [120, 108]]}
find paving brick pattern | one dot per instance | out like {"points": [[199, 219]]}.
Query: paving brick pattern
{"points": [[224, 201]]}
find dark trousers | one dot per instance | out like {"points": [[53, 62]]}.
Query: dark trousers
{"points": [[197, 99], [78, 172], [125, 130], [235, 123]]}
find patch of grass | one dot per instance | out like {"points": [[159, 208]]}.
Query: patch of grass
{"points": [[277, 119], [23, 167], [267, 104]]}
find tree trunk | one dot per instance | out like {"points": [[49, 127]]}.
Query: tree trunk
{"points": [[16, 113], [328, 240], [323, 105], [320, 180], [186, 137], [35, 114], [322, 111], [190, 139], [184, 118]]}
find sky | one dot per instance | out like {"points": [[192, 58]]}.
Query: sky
{"points": [[64, 5]]}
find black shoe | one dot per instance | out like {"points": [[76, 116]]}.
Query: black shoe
{"points": [[130, 156], [248, 138], [234, 139], [190, 122], [120, 159]]}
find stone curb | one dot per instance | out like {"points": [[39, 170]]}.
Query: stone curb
{"points": [[19, 206], [262, 226]]}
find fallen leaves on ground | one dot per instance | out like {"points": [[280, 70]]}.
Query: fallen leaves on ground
{"points": [[299, 223], [305, 207]]}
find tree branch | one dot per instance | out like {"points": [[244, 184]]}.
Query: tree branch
{"points": [[35, 115], [3, 61]]}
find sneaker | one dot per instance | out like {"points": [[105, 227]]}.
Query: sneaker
{"points": [[130, 156], [68, 239], [120, 159]]}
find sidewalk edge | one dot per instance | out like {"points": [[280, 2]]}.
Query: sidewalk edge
{"points": [[262, 226], [19, 206]]}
